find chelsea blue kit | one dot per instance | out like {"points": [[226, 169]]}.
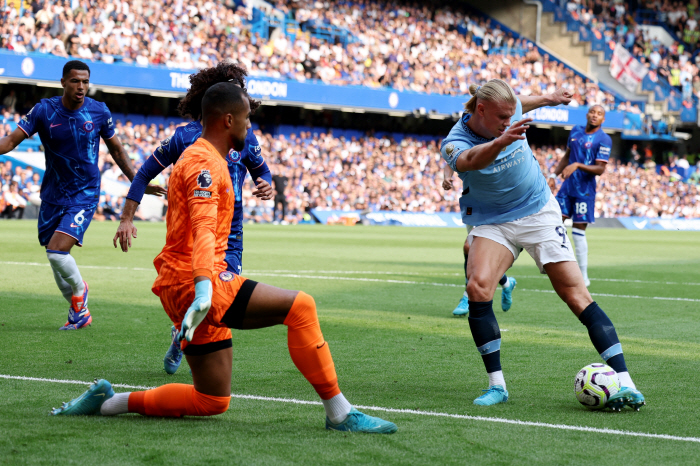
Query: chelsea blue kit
{"points": [[576, 196], [239, 164], [70, 189]]}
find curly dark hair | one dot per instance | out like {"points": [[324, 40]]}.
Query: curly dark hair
{"points": [[191, 104]]}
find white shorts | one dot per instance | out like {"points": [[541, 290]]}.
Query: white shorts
{"points": [[541, 234]]}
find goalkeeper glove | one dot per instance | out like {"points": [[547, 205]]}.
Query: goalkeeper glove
{"points": [[197, 310]]}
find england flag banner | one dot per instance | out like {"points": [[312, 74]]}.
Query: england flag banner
{"points": [[626, 69]]}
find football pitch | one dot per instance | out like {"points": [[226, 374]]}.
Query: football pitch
{"points": [[384, 296]]}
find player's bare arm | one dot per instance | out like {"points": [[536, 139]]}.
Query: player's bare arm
{"points": [[121, 158], [263, 190], [563, 163], [559, 97], [11, 141], [596, 169], [126, 229], [447, 173], [483, 155]]}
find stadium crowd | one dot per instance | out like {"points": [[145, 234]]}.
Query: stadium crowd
{"points": [[407, 46], [677, 64], [320, 170]]}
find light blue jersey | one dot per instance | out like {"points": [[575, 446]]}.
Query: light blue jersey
{"points": [[512, 187]]}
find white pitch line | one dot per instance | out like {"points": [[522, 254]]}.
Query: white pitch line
{"points": [[99, 267], [408, 282], [452, 274], [402, 411], [376, 280], [359, 272]]}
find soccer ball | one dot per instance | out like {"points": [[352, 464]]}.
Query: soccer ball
{"points": [[595, 384]]}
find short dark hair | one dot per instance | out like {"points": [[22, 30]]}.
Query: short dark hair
{"points": [[222, 98], [75, 65]]}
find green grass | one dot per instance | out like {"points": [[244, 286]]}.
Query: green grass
{"points": [[395, 345]]}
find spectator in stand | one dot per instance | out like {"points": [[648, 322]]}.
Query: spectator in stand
{"points": [[406, 46], [10, 101], [280, 184], [14, 202]]}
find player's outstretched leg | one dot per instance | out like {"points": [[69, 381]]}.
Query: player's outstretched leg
{"points": [[568, 283], [604, 338], [310, 353], [507, 286], [173, 357]]}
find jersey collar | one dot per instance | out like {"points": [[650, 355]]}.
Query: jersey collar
{"points": [[472, 135]]}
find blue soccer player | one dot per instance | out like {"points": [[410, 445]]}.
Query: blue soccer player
{"points": [[507, 283], [70, 128], [507, 201], [587, 154], [170, 150]]}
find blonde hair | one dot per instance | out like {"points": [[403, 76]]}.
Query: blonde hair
{"points": [[495, 90]]}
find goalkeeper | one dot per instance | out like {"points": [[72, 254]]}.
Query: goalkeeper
{"points": [[192, 272]]}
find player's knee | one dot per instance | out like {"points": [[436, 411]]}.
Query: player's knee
{"points": [[478, 289], [302, 312], [209, 405]]}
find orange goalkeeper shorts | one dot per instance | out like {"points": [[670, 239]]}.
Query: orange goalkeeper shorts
{"points": [[176, 299]]}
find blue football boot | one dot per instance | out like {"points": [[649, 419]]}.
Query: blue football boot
{"points": [[507, 294], [462, 308], [360, 422], [494, 395], [173, 357], [78, 313], [89, 403], [626, 397]]}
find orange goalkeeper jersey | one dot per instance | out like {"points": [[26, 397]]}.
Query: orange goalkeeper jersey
{"points": [[200, 209]]}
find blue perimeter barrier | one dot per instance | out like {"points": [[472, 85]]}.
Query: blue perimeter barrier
{"points": [[40, 67], [454, 220]]}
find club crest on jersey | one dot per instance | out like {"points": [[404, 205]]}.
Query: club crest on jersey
{"points": [[88, 126], [234, 156], [225, 276], [449, 149], [588, 145], [204, 179]]}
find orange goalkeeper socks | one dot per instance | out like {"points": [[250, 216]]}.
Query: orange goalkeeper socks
{"points": [[308, 349], [176, 400]]}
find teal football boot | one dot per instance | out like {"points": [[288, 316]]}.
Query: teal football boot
{"points": [[360, 422], [89, 403], [507, 294], [494, 395], [462, 308], [626, 397]]}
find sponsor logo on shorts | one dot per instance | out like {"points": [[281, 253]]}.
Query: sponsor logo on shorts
{"points": [[88, 126], [73, 225], [204, 179], [469, 210], [202, 193], [226, 276]]}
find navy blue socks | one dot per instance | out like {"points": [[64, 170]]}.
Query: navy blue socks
{"points": [[603, 336], [487, 335]]}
